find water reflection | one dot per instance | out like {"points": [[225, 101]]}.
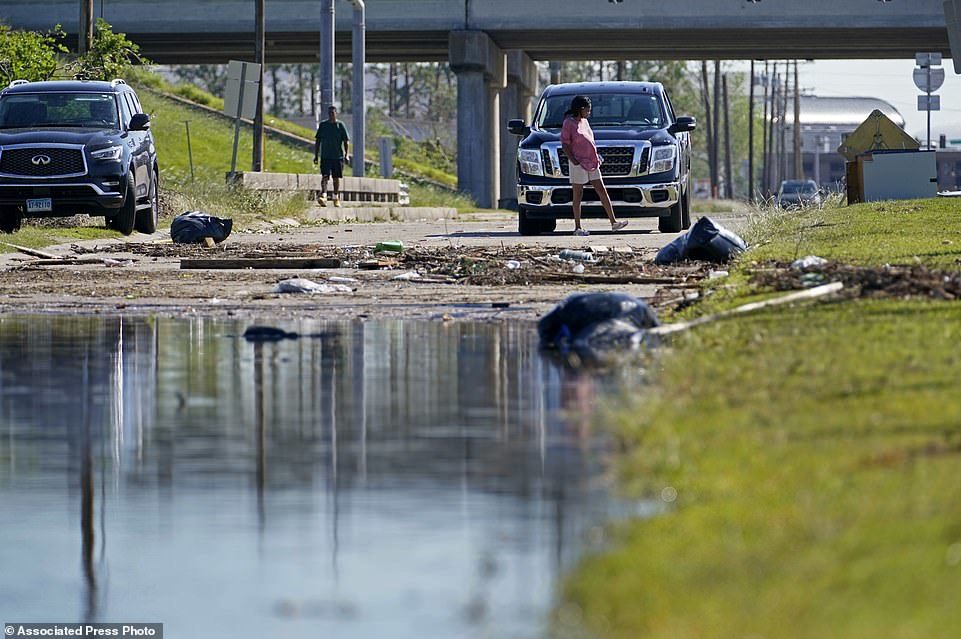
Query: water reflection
{"points": [[395, 479]]}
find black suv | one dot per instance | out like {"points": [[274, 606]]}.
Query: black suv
{"points": [[644, 147], [74, 147]]}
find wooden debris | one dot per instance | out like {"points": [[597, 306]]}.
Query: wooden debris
{"points": [[261, 263], [32, 252], [209, 242], [373, 265]]}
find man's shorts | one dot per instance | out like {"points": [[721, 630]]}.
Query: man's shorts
{"points": [[580, 176], [332, 168]]}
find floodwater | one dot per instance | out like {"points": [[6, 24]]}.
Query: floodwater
{"points": [[378, 479]]}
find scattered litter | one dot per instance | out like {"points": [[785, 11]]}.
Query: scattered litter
{"points": [[571, 255], [588, 322], [301, 285], [193, 226], [599, 249], [406, 277], [389, 246], [811, 261], [342, 280], [716, 275], [707, 240], [624, 250], [578, 268], [512, 264], [109, 261], [812, 279]]}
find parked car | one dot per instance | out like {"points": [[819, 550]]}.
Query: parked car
{"points": [[72, 147], [644, 145], [798, 193]]}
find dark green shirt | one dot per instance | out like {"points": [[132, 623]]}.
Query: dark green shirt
{"points": [[330, 140]]}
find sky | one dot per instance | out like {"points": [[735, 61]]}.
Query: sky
{"points": [[890, 80]]}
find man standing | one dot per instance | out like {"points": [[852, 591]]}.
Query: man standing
{"points": [[331, 145]]}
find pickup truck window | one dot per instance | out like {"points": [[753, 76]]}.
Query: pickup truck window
{"points": [[608, 109]]}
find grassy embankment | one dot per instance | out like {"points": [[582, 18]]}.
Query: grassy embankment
{"points": [[211, 146], [808, 459]]}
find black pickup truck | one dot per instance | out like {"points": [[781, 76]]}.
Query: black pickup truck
{"points": [[72, 147], [645, 150]]}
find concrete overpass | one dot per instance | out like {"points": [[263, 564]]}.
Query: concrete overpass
{"points": [[213, 31], [492, 44]]}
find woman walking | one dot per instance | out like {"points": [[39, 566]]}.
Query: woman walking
{"points": [[577, 138]]}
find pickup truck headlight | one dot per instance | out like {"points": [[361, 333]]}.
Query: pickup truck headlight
{"points": [[111, 153], [663, 158], [530, 160]]}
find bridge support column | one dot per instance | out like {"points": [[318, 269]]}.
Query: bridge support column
{"points": [[515, 103], [481, 69]]}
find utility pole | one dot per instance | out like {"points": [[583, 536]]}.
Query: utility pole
{"points": [[784, 96], [85, 34], [257, 161], [728, 173], [798, 162], [769, 130], [706, 93], [750, 138], [715, 147]]}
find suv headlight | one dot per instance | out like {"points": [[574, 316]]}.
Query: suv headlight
{"points": [[663, 158], [111, 153], [530, 160]]}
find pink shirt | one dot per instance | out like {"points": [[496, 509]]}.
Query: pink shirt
{"points": [[578, 133]]}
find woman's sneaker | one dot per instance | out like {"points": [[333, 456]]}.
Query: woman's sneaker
{"points": [[617, 226], [581, 232]]}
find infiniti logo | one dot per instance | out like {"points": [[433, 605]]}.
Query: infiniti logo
{"points": [[40, 160]]}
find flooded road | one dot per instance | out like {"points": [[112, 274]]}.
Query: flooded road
{"points": [[376, 479]]}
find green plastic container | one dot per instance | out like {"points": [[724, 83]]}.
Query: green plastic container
{"points": [[390, 246]]}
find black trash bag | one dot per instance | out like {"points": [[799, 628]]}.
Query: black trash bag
{"points": [[707, 240], [595, 320], [193, 226]]}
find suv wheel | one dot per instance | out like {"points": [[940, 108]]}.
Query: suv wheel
{"points": [[126, 217], [527, 225], [147, 218], [548, 225], [673, 222], [10, 219]]}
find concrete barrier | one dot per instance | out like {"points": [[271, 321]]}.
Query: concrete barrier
{"points": [[362, 190]]}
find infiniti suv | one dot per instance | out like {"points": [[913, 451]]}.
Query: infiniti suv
{"points": [[70, 147]]}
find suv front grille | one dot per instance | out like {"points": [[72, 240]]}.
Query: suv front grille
{"points": [[62, 162], [617, 160]]}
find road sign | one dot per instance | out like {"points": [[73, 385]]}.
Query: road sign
{"points": [[240, 96], [928, 80], [929, 103], [928, 59]]}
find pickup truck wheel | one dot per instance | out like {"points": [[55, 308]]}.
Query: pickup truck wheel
{"points": [[672, 223], [10, 219], [147, 218], [527, 225], [548, 226], [126, 217], [686, 217]]}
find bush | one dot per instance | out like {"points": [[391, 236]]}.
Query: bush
{"points": [[111, 55]]}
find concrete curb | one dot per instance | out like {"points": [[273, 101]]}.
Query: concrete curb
{"points": [[379, 213]]}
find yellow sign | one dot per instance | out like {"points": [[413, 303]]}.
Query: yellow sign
{"points": [[878, 132]]}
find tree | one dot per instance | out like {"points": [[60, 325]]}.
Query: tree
{"points": [[30, 55], [110, 55]]}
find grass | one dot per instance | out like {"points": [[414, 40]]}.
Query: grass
{"points": [[41, 236], [815, 455]]}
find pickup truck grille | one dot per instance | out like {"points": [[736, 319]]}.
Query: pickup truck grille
{"points": [[617, 161], [50, 162]]}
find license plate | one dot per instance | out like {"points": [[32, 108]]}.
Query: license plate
{"points": [[40, 205]]}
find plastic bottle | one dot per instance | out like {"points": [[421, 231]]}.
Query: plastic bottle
{"points": [[579, 256]]}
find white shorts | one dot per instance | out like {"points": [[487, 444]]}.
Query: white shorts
{"points": [[580, 176]]}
